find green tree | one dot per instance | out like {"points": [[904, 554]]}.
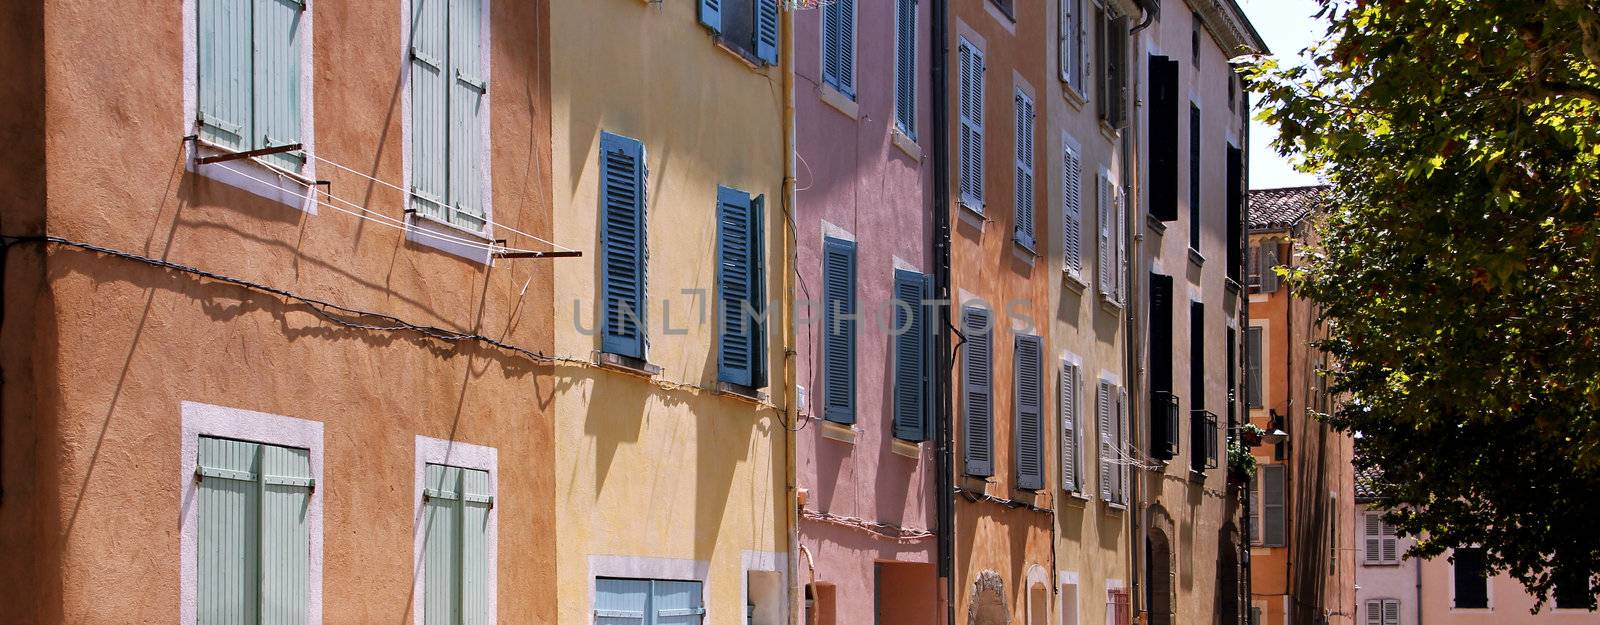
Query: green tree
{"points": [[1459, 267]]}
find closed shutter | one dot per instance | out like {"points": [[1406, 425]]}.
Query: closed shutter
{"points": [[468, 101], [735, 286], [1274, 528], [226, 69], [1069, 427], [905, 67], [253, 537], [677, 603], [1252, 373], [456, 504], [767, 31], [623, 254], [971, 110], [1374, 612], [1372, 535], [711, 14], [1471, 579], [1103, 223], [1269, 259], [477, 500], [1072, 205], [838, 46], [910, 357], [839, 330], [1070, 43], [1103, 408], [1389, 543], [621, 601], [285, 536], [277, 79], [1024, 189], [1120, 441], [430, 108], [1029, 385], [976, 385], [1391, 612]]}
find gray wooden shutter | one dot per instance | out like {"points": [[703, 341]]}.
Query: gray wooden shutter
{"points": [[905, 67], [1025, 186], [621, 601], [1028, 377], [1068, 407], [1072, 207], [285, 536], [736, 336], [623, 251], [910, 359], [468, 102], [976, 385], [1374, 612], [767, 31], [1391, 612], [1390, 544], [1252, 373], [677, 602], [1103, 407], [1104, 263], [1274, 529], [1269, 259], [971, 118], [1372, 535], [839, 330]]}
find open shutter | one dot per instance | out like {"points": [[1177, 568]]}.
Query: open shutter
{"points": [[1120, 472], [1195, 206], [1274, 530], [468, 99], [225, 62], [971, 113], [229, 532], [1372, 535], [910, 361], [1103, 223], [277, 79], [1024, 189], [621, 601], [430, 108], [285, 538], [1269, 259], [905, 66], [1072, 206], [676, 603], [1069, 427], [1103, 409], [622, 245], [711, 14], [1121, 233], [758, 291], [1163, 143], [767, 31], [476, 501], [839, 330], [976, 385], [734, 287], [1029, 384], [1252, 363]]}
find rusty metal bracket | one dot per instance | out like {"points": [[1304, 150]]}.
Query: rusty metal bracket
{"points": [[278, 149]]}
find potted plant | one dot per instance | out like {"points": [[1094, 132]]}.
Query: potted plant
{"points": [[1241, 463], [1251, 434]]}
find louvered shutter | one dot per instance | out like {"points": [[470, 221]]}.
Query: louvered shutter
{"points": [[976, 385], [1255, 509], [430, 108], [468, 99], [905, 68], [1252, 372], [621, 601], [711, 14], [1391, 612], [285, 537], [1103, 409], [1072, 206], [910, 361], [1024, 189], [1068, 397], [229, 532], [1274, 529], [226, 71], [1374, 612], [1029, 385], [1390, 544], [623, 253], [1103, 223], [971, 112], [1120, 472], [1372, 534], [676, 603], [1121, 234], [758, 291], [839, 330], [277, 79], [1269, 259], [735, 280], [767, 31], [838, 46]]}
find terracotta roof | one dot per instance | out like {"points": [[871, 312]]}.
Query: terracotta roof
{"points": [[1274, 209], [1366, 479]]}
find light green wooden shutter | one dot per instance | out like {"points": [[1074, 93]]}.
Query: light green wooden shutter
{"points": [[478, 499], [676, 603], [621, 601], [277, 78], [228, 533], [468, 96], [430, 100], [285, 498], [455, 585], [225, 61]]}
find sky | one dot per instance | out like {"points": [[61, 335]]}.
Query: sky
{"points": [[1288, 27]]}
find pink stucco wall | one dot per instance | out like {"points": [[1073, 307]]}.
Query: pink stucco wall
{"points": [[853, 176]]}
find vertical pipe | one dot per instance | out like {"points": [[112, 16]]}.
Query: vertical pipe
{"points": [[1241, 245], [786, 310], [944, 464]]}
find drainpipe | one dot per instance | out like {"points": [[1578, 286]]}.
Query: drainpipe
{"points": [[944, 464], [1416, 565], [1240, 245], [1131, 371], [786, 310]]}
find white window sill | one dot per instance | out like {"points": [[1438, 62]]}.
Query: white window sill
{"points": [[1110, 305], [906, 448], [1074, 99], [627, 364], [906, 144], [1073, 281], [839, 432], [1195, 258], [448, 238], [1076, 498], [1110, 132], [839, 101], [255, 176]]}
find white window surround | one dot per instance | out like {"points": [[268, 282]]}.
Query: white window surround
{"points": [[466, 456], [200, 419], [431, 232], [252, 175], [639, 567]]}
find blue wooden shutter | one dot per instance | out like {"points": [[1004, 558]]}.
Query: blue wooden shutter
{"points": [[758, 291], [839, 330], [430, 108], [622, 246], [711, 14], [838, 46], [735, 281], [971, 114], [767, 31], [468, 99], [621, 601], [229, 532], [905, 67], [976, 384], [226, 67], [677, 603], [285, 537], [1024, 188], [830, 46], [1028, 377], [277, 78], [910, 359]]}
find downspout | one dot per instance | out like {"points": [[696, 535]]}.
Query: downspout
{"points": [[1137, 554], [944, 464], [1416, 565], [786, 308], [1240, 249]]}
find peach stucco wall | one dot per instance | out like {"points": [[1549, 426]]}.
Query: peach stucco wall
{"points": [[100, 352]]}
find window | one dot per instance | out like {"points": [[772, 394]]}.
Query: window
{"points": [[1471, 581], [249, 75], [913, 355], [1163, 141], [1252, 373], [1274, 528], [839, 46], [623, 246], [1024, 189], [1071, 443], [971, 90], [905, 67], [1574, 591], [1383, 612], [1071, 53], [449, 112], [1071, 206], [1006, 7], [1379, 540], [1197, 355], [1195, 25], [1235, 209], [1268, 259], [1194, 177], [622, 601], [839, 330], [741, 297], [1253, 271], [1069, 602], [1112, 52], [1118, 609], [748, 26], [1029, 385], [1163, 402], [1109, 243], [455, 518], [1111, 406], [976, 389], [253, 537]]}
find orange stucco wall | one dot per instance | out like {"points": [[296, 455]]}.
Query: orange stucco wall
{"points": [[99, 352]]}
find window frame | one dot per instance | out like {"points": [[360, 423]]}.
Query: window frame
{"points": [[1069, 56], [1488, 584]]}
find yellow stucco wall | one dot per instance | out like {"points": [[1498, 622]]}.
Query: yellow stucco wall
{"points": [[648, 474]]}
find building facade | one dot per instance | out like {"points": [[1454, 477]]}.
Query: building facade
{"points": [[254, 254], [668, 154]]}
